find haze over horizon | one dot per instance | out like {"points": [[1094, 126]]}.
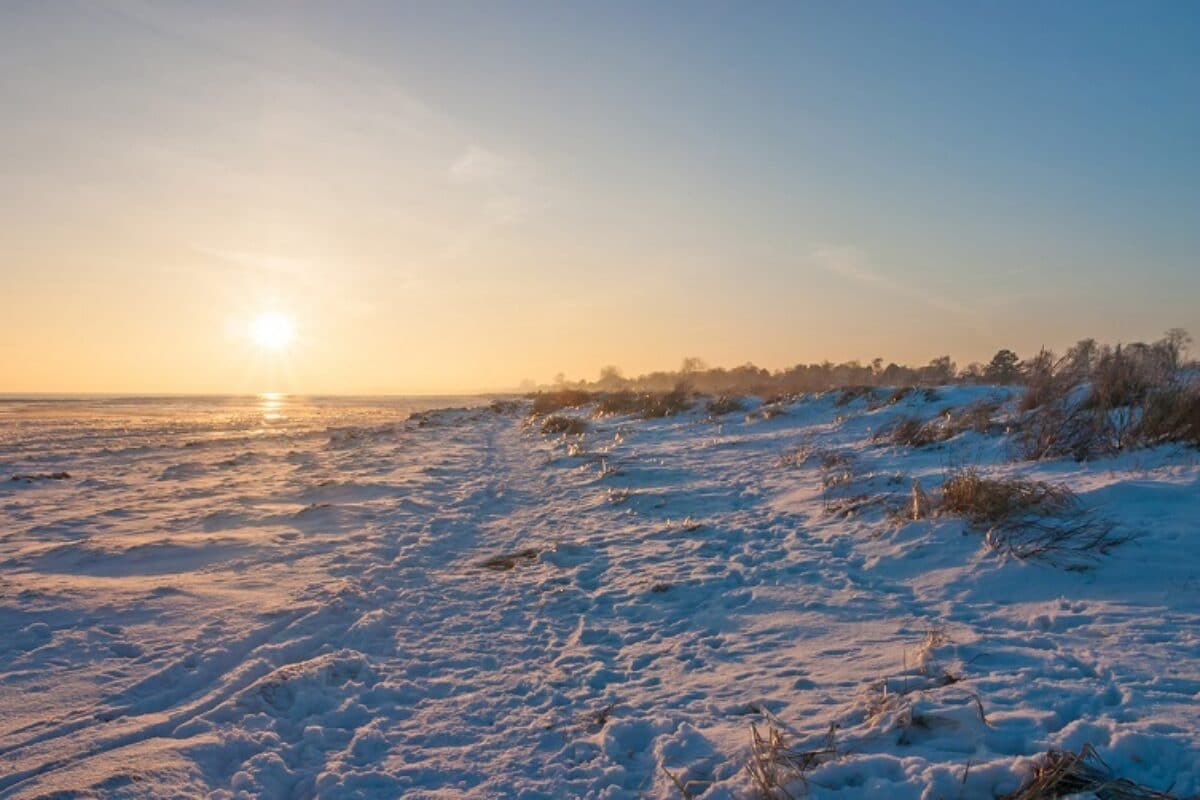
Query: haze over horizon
{"points": [[454, 197]]}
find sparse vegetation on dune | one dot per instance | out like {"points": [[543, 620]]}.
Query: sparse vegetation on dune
{"points": [[506, 561], [1121, 376], [1100, 400], [914, 432], [911, 431]]}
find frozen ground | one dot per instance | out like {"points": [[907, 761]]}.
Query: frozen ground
{"points": [[289, 600]]}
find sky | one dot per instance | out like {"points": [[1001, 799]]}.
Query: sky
{"points": [[449, 197]]}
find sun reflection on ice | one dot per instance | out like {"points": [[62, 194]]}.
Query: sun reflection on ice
{"points": [[271, 406]]}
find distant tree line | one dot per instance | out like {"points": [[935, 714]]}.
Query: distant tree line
{"points": [[1006, 367]]}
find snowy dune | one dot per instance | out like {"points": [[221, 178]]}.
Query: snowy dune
{"points": [[343, 601]]}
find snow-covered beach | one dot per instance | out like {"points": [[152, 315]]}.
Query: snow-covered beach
{"points": [[290, 598]]}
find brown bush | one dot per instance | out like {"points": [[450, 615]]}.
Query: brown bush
{"points": [[1126, 375], [975, 417], [720, 406], [851, 393], [1171, 415], [549, 402], [1045, 381], [913, 432], [558, 423], [1061, 773]]}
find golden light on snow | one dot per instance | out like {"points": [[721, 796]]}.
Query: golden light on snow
{"points": [[272, 331]]}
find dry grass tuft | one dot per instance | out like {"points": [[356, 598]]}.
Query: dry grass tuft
{"points": [[506, 561], [1029, 519], [837, 468], [41, 476], [851, 393], [1062, 773], [571, 426], [919, 503], [912, 432], [968, 493], [685, 787], [725, 404], [773, 765]]}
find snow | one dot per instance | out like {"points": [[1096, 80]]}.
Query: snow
{"points": [[287, 598]]}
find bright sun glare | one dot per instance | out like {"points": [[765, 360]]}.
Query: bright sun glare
{"points": [[272, 331]]}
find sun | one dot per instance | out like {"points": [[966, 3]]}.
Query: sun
{"points": [[272, 331]]}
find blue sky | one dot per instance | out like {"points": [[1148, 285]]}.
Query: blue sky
{"points": [[566, 185]]}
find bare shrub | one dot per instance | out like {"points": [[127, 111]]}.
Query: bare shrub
{"points": [[1101, 400], [913, 432], [845, 507], [505, 407], [851, 393], [559, 423], [1058, 429], [1061, 773], [666, 404], [1125, 375], [549, 402], [1045, 380], [974, 417], [1171, 414], [725, 404], [616, 403]]}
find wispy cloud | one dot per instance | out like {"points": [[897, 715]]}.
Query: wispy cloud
{"points": [[262, 263], [477, 165], [849, 263]]}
